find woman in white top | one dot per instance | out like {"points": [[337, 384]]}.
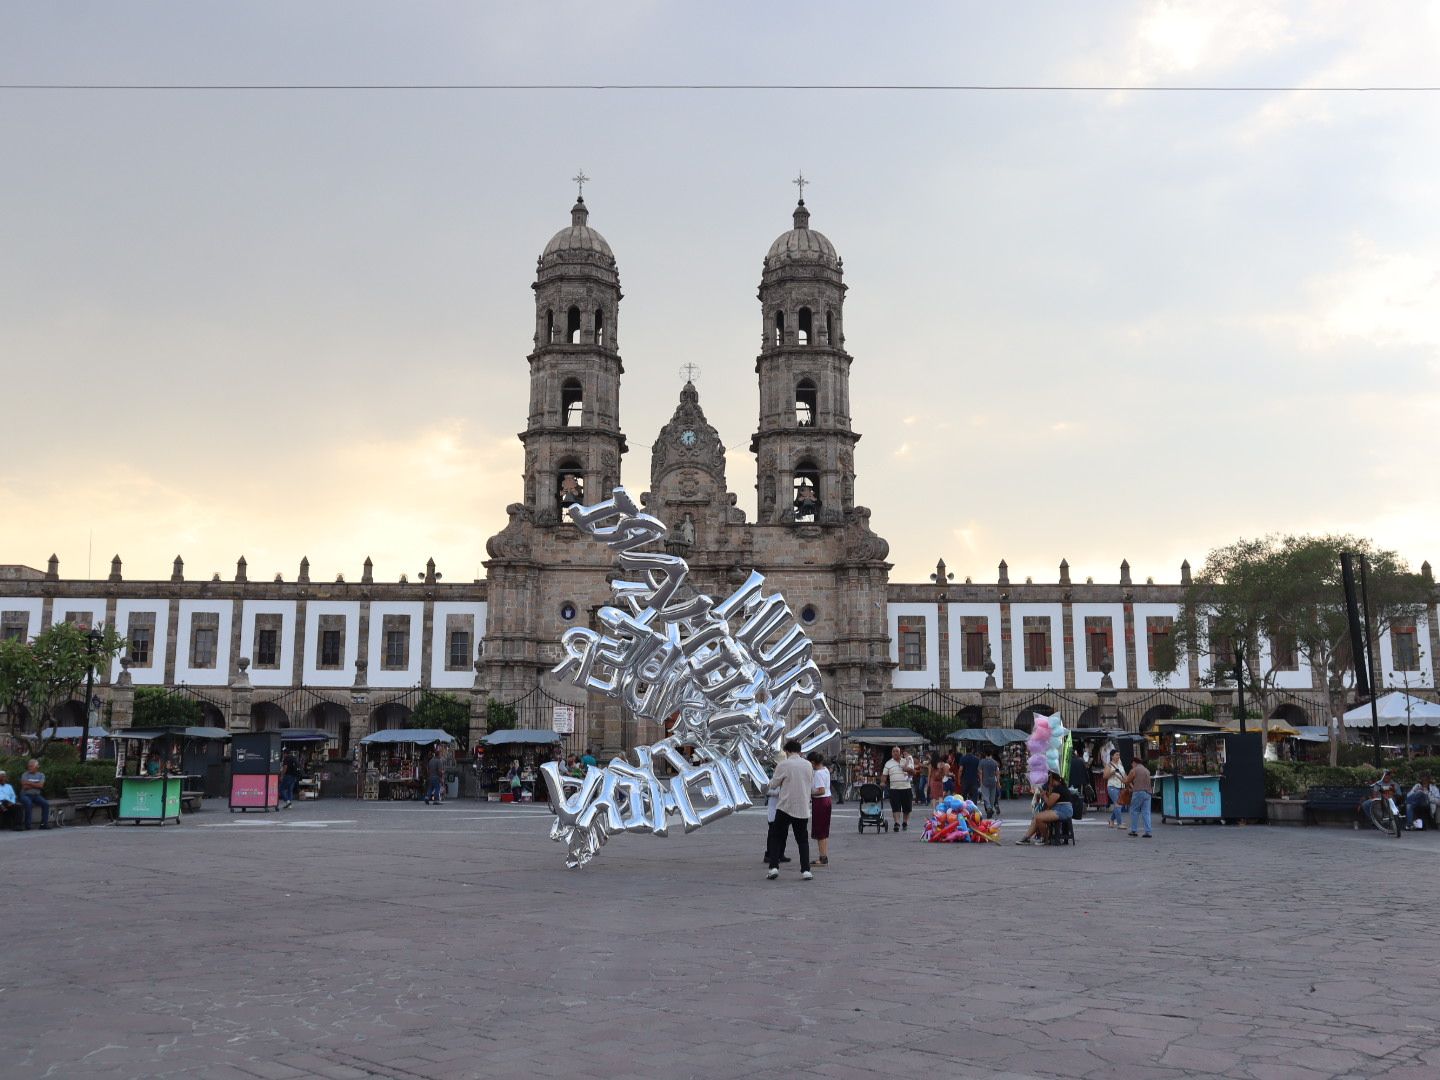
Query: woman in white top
{"points": [[1114, 785], [820, 808]]}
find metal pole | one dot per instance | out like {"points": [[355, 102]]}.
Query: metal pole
{"points": [[1370, 663], [1240, 684]]}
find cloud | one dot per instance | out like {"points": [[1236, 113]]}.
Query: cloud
{"points": [[901, 451]]}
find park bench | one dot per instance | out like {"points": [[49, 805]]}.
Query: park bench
{"points": [[1334, 800], [190, 801], [93, 799]]}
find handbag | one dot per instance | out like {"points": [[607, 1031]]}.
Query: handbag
{"points": [[1124, 799]]}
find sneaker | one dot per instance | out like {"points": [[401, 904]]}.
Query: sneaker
{"points": [[1024, 842], [772, 873], [806, 875], [1134, 834], [1147, 836], [905, 827]]}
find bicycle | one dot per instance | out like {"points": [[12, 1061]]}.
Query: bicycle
{"points": [[1381, 810]]}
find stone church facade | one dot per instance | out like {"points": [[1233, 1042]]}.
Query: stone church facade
{"points": [[349, 657]]}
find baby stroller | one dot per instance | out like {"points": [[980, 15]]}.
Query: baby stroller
{"points": [[872, 808]]}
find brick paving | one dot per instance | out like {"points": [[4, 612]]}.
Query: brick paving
{"points": [[353, 940]]}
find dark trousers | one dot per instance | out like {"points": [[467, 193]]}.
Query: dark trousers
{"points": [[28, 802], [782, 824]]}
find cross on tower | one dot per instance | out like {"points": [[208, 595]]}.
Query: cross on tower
{"points": [[689, 371], [800, 183], [580, 179]]}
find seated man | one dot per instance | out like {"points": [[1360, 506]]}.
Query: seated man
{"points": [[32, 794], [1422, 799], [8, 803]]}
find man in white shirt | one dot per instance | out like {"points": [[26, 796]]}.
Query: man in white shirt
{"points": [[7, 797], [791, 782], [899, 773]]}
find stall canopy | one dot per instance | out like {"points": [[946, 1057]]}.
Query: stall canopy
{"points": [[303, 735], [1278, 729], [1194, 726], [886, 736], [521, 737], [76, 732], [1391, 707], [993, 736], [1312, 733], [182, 733], [417, 736]]}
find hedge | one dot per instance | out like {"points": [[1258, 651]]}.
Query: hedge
{"points": [[60, 775], [1296, 778]]}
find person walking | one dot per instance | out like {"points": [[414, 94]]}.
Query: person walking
{"points": [[938, 770], [1115, 788], [289, 779], [922, 781], [435, 773], [513, 782], [990, 783], [793, 782], [969, 766], [820, 808], [897, 779], [1138, 780]]}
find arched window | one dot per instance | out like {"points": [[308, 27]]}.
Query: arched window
{"points": [[805, 403], [599, 326], [779, 328], [569, 485], [550, 325], [572, 403], [803, 330], [807, 492], [572, 326], [829, 329]]}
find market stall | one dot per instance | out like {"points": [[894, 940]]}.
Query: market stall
{"points": [[149, 774], [530, 748], [100, 747], [867, 749], [1205, 773], [1010, 746], [310, 747], [392, 762], [255, 771]]}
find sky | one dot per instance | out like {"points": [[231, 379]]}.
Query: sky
{"points": [[1095, 326]]}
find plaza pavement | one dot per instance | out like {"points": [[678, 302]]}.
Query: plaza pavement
{"points": [[353, 940]]}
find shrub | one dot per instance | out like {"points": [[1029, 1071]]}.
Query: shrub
{"points": [[62, 772]]}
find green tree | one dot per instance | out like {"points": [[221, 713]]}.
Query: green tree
{"points": [[1287, 590], [38, 676], [159, 708], [443, 711], [922, 721], [499, 717]]}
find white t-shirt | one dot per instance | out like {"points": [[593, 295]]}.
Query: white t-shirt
{"points": [[821, 787], [894, 772]]}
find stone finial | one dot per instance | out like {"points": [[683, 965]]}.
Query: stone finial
{"points": [[240, 566], [941, 575], [215, 576], [579, 213], [1064, 572], [430, 575], [989, 668], [124, 679], [340, 579], [361, 665], [279, 577], [52, 569], [1124, 571], [1425, 571], [367, 573], [115, 569], [1004, 573], [1107, 665], [304, 578], [1185, 572], [177, 572]]}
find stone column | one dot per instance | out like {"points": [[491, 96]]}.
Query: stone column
{"points": [[1222, 705], [122, 698], [240, 697], [990, 695]]}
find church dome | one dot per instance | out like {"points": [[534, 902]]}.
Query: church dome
{"points": [[801, 244], [579, 237]]}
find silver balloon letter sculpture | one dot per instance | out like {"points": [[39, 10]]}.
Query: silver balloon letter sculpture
{"points": [[736, 674]]}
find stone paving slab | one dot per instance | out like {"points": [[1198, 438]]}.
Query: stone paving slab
{"points": [[350, 940]]}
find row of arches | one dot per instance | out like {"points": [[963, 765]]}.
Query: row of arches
{"points": [[572, 331], [1288, 712], [804, 327]]}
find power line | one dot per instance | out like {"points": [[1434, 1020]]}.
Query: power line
{"points": [[646, 87]]}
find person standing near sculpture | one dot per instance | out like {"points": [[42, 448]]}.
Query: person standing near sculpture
{"points": [[820, 808], [792, 781]]}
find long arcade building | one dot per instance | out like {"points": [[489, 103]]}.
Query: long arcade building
{"points": [[353, 656]]}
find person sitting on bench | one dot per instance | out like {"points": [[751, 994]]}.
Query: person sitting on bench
{"points": [[8, 802], [32, 793], [1423, 798]]}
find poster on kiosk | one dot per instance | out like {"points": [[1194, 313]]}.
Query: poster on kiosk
{"points": [[255, 765]]}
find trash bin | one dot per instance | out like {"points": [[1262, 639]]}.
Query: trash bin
{"points": [[452, 786]]}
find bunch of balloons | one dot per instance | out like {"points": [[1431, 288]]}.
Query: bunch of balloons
{"points": [[960, 821], [1045, 742]]}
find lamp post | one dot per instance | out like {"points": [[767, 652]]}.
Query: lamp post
{"points": [[1240, 685], [92, 639]]}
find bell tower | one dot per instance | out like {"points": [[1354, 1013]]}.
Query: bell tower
{"points": [[573, 440], [804, 447]]}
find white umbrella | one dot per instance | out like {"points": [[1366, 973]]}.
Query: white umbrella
{"points": [[1392, 710]]}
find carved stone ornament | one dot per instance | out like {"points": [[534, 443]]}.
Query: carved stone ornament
{"points": [[862, 545], [688, 441], [513, 541]]}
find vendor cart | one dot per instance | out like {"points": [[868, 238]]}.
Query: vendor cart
{"points": [[530, 747], [392, 762]]}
